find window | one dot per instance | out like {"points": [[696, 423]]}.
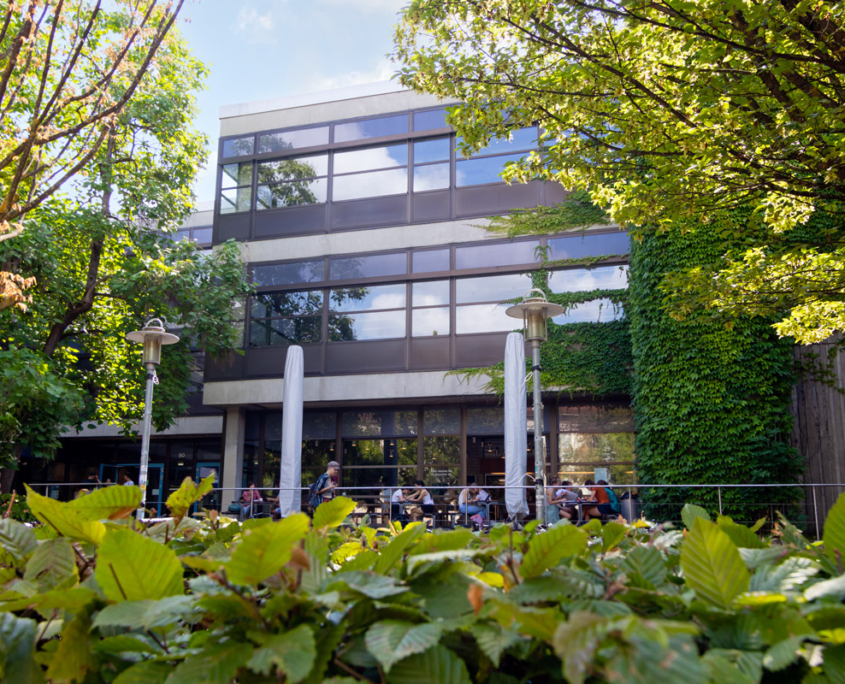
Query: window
{"points": [[502, 254], [238, 147], [430, 315], [426, 121], [287, 318], [202, 236], [289, 274], [430, 260], [292, 140], [489, 316], [367, 313], [607, 455], [482, 168], [604, 244], [595, 311], [236, 187], [370, 172], [431, 164], [371, 128], [292, 182], [368, 266], [586, 279]]}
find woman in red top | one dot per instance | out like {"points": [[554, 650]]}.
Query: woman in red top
{"points": [[602, 500]]}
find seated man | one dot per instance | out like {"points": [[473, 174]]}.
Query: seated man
{"points": [[601, 499], [470, 499], [566, 496]]}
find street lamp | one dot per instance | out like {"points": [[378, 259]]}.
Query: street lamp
{"points": [[535, 312], [152, 336]]}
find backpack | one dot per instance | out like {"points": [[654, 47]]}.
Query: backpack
{"points": [[315, 499], [613, 500]]}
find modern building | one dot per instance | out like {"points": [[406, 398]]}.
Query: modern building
{"points": [[363, 231]]}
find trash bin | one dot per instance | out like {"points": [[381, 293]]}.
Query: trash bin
{"points": [[630, 508]]}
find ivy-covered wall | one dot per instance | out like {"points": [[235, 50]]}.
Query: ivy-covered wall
{"points": [[711, 402]]}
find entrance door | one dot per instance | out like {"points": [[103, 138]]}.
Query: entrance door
{"points": [[204, 469], [155, 480]]}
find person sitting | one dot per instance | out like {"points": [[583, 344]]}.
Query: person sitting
{"points": [[601, 499], [249, 498], [552, 501], [567, 496], [399, 496], [421, 496], [470, 500]]}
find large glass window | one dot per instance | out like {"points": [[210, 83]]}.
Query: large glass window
{"points": [[519, 139], [501, 254], [595, 311], [362, 177], [236, 187], [289, 274], [577, 246], [426, 121], [490, 316], [238, 147], [292, 182], [368, 266], [371, 128], [371, 158], [483, 168], [586, 279], [430, 260], [430, 315], [431, 164], [384, 318], [287, 318], [609, 456], [292, 140]]}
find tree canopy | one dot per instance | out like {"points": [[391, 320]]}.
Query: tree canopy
{"points": [[731, 114]]}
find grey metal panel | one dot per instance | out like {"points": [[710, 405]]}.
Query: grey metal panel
{"points": [[377, 355], [291, 221], [479, 350], [229, 367], [485, 200], [431, 206], [370, 212], [430, 352], [270, 361], [232, 227], [555, 193]]}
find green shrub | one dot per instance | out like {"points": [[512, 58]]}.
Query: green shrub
{"points": [[19, 510], [93, 597]]}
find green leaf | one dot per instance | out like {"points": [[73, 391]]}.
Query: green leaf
{"points": [[712, 565], [108, 503], [53, 564], [73, 658], [646, 564], [265, 550], [832, 587], [742, 536], [369, 584], [547, 549], [690, 512], [187, 495], [17, 539], [293, 653], [131, 567], [443, 540], [391, 640], [782, 654], [723, 671], [834, 663], [17, 644], [393, 552], [65, 521], [834, 530], [147, 614], [147, 672], [493, 640], [216, 664], [332, 513], [611, 534], [124, 643], [437, 664]]}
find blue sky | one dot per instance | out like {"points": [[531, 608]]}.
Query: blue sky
{"points": [[260, 49]]}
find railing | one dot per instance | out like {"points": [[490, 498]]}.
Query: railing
{"points": [[802, 504]]}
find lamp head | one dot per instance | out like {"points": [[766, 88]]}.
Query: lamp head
{"points": [[535, 311], [152, 336]]}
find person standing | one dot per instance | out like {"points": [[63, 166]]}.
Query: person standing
{"points": [[126, 480], [323, 489]]}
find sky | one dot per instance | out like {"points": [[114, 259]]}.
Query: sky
{"points": [[262, 49]]}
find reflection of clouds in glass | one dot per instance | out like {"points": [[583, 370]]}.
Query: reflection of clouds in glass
{"points": [[362, 299], [373, 184], [596, 311], [481, 318], [373, 128], [431, 294], [375, 326], [371, 158], [492, 288], [388, 301], [583, 280], [431, 177], [430, 322]]}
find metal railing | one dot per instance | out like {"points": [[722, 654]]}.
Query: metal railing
{"points": [[804, 504]]}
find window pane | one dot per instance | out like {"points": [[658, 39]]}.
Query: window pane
{"points": [[430, 322], [596, 418], [586, 279], [596, 311], [372, 128], [291, 140], [431, 293], [480, 318], [502, 254], [369, 266], [371, 158], [442, 450], [589, 245], [430, 260], [578, 474], [292, 194], [373, 184], [426, 121], [367, 326], [293, 169], [182, 235], [316, 453], [363, 423], [575, 447], [287, 304], [484, 170], [439, 479], [520, 139], [289, 274], [445, 421], [431, 150], [201, 235], [319, 425], [283, 331], [232, 201], [237, 174], [431, 177], [238, 147], [485, 421], [367, 298], [492, 288], [371, 477]]}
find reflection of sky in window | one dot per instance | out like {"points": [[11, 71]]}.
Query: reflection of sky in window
{"points": [[237, 174], [372, 184], [521, 139], [374, 326], [502, 254], [426, 121], [366, 298], [431, 150], [290, 140], [480, 318], [293, 168], [585, 279], [368, 266], [492, 288], [481, 171], [430, 260], [294, 193], [238, 147], [288, 274], [371, 158], [431, 177], [430, 294], [589, 245], [372, 128], [596, 311], [429, 322]]}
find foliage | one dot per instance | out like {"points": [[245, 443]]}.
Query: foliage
{"points": [[18, 510], [217, 601], [711, 401], [633, 111]]}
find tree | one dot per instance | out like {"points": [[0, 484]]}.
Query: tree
{"points": [[105, 262], [69, 69], [666, 111]]}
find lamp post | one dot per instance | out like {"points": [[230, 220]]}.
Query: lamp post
{"points": [[535, 311], [152, 336]]}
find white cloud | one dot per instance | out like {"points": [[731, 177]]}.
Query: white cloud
{"points": [[370, 6], [381, 72], [258, 27]]}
